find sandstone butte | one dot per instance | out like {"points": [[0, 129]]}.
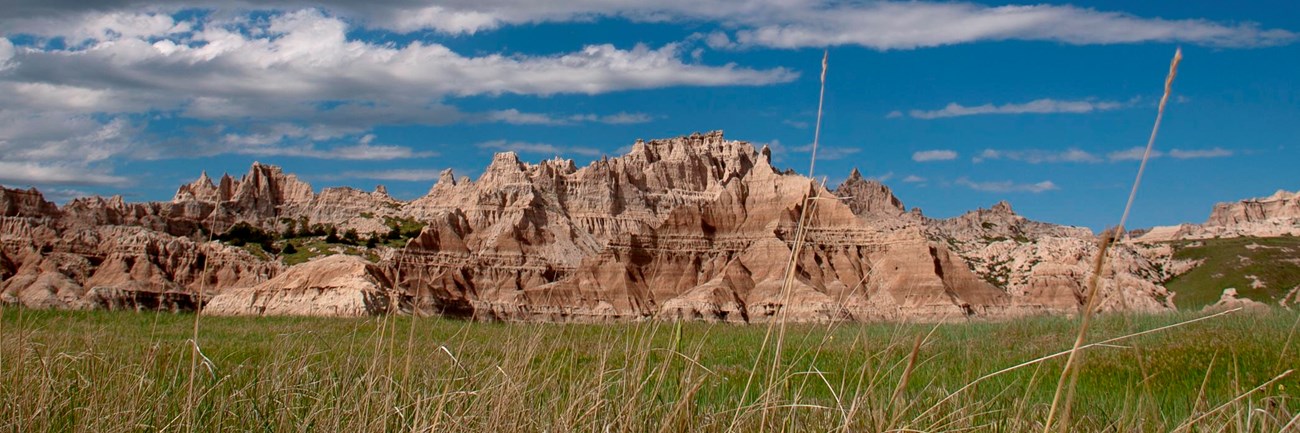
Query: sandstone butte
{"points": [[687, 228]]}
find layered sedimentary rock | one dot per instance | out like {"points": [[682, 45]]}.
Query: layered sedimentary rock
{"points": [[701, 227], [1045, 267], [695, 227], [26, 203], [338, 286], [1275, 215], [869, 197], [117, 267]]}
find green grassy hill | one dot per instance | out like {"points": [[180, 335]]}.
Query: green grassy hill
{"points": [[1274, 262]]}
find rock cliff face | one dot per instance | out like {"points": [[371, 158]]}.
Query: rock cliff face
{"points": [[869, 197], [696, 227], [1275, 215], [1045, 267], [701, 227], [117, 267], [338, 286]]}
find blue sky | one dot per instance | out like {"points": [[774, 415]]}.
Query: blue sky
{"points": [[955, 105]]}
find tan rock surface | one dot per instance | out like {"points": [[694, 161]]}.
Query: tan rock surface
{"points": [[1275, 215], [1230, 300], [338, 286], [696, 227]]}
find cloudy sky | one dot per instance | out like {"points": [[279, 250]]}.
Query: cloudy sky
{"points": [[956, 105]]}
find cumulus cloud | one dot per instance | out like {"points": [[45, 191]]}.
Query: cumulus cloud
{"points": [[1007, 186], [307, 56], [1038, 106], [222, 70], [1135, 153], [537, 148], [1037, 156], [934, 155]]}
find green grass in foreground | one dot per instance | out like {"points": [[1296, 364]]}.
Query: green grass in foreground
{"points": [[123, 371], [1274, 262]]}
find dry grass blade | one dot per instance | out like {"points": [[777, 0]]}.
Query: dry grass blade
{"points": [[195, 353], [792, 265], [1069, 373], [1207, 414]]}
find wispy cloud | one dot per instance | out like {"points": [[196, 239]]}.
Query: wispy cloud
{"points": [[1037, 106], [934, 155], [912, 178], [402, 175], [537, 148], [881, 25], [1007, 186], [32, 173], [516, 117], [828, 153], [795, 123], [1135, 153], [1037, 156], [1217, 152], [274, 144]]}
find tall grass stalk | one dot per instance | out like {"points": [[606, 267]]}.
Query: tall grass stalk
{"points": [[195, 350], [1069, 374]]}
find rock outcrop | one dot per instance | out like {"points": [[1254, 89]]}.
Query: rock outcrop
{"points": [[27, 203], [1045, 267], [869, 197], [338, 286], [694, 228], [1230, 300], [1275, 215]]}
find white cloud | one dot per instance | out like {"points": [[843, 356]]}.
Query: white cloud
{"points": [[405, 175], [1037, 156], [6, 52], [1217, 152], [31, 173], [795, 123], [909, 25], [1131, 154], [64, 195], [515, 117], [1135, 153], [772, 23], [881, 177], [625, 118], [824, 153], [228, 69], [1038, 106], [912, 178], [934, 155], [719, 40], [1007, 186], [537, 148]]}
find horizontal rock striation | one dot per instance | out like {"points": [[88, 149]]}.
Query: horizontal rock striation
{"points": [[1275, 215], [689, 228]]}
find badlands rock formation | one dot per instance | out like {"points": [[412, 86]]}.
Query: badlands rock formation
{"points": [[1047, 266], [339, 286], [1275, 215], [695, 227]]}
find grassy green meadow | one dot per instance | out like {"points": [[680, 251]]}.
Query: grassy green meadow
{"points": [[1262, 269], [125, 371]]}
